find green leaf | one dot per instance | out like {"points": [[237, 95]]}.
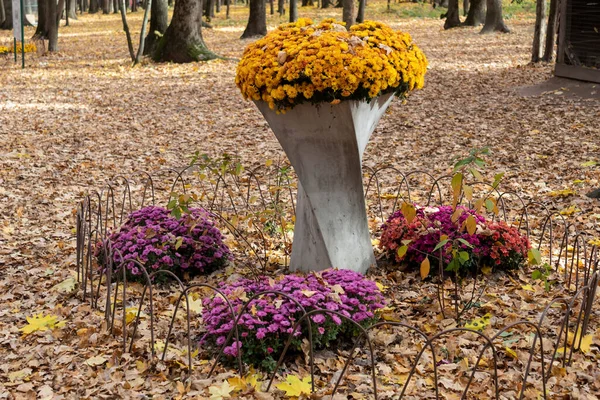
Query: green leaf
{"points": [[440, 244], [463, 241], [172, 204], [178, 243], [534, 257], [476, 174], [537, 274], [589, 163], [489, 205], [402, 251], [463, 256]]}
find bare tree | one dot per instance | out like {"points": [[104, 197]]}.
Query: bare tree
{"points": [[183, 41], [494, 21], [476, 14], [541, 12], [159, 21], [551, 32], [257, 20], [348, 12], [452, 16]]}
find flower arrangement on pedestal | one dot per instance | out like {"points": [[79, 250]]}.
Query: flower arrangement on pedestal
{"points": [[302, 61], [333, 85]]}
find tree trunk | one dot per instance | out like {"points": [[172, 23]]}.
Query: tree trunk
{"points": [[7, 23], [551, 32], [494, 22], [272, 7], [257, 20], [94, 6], [52, 25], [476, 15], [183, 41], [60, 8], [325, 3], [360, 18], [539, 31], [115, 6], [72, 9], [123, 11], [348, 12], [466, 6], [293, 10], [159, 21], [41, 32], [2, 12], [281, 7], [140, 51], [452, 16]]}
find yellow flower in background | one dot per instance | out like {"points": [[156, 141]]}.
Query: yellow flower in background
{"points": [[303, 61]]}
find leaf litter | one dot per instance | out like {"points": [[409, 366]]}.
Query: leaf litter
{"points": [[73, 119]]}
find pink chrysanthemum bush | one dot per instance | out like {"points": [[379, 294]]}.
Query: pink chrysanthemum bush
{"points": [[189, 245], [464, 240], [268, 321]]}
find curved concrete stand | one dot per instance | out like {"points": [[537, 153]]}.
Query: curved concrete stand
{"points": [[325, 144]]}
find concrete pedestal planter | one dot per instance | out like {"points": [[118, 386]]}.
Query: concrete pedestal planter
{"points": [[325, 144]]}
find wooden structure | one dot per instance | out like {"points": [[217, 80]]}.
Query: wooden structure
{"points": [[579, 40]]}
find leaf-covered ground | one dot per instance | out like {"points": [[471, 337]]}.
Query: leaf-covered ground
{"points": [[71, 120]]}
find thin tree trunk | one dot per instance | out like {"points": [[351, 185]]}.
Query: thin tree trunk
{"points": [[7, 24], [2, 12], [60, 8], [116, 8], [325, 3], [138, 56], [159, 21], [257, 20], [126, 29], [52, 25], [494, 22], [360, 18], [476, 15], [348, 12], [452, 16], [94, 6], [281, 7], [183, 41], [272, 6], [466, 5], [539, 31], [227, 9], [41, 32], [293, 10], [551, 32]]}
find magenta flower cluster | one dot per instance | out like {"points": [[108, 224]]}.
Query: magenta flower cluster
{"points": [[269, 319], [157, 240]]}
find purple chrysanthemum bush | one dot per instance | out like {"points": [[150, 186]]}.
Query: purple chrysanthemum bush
{"points": [[492, 244], [189, 245], [268, 321]]}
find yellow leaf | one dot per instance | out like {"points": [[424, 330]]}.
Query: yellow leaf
{"points": [[269, 163], [486, 270], [387, 196], [220, 392], [402, 251], [586, 343], [41, 323], [529, 288], [456, 183], [570, 210], [95, 361], [409, 211], [295, 387], [251, 380], [425, 268], [20, 375], [381, 287], [195, 305], [511, 353], [471, 225], [479, 324], [67, 286], [456, 214], [562, 193], [574, 341]]}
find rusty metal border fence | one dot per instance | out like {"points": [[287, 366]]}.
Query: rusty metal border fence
{"points": [[226, 195]]}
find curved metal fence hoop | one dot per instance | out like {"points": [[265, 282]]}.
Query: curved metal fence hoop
{"points": [[416, 362], [531, 353], [489, 345], [502, 202], [375, 176], [126, 195], [234, 330], [306, 317]]}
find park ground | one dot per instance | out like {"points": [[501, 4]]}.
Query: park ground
{"points": [[70, 120]]}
